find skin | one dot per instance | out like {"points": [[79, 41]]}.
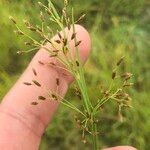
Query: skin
{"points": [[22, 124]]}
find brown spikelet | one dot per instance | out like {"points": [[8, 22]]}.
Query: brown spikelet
{"points": [[65, 41], [32, 29], [13, 20], [54, 96], [27, 83], [59, 35], [41, 98], [78, 43], [113, 75], [65, 50], [77, 63], [58, 41], [34, 103], [120, 61], [49, 12], [73, 36], [36, 83], [34, 71]]}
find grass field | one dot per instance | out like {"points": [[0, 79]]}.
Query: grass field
{"points": [[117, 28]]}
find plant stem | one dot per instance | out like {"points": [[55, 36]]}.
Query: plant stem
{"points": [[94, 136]]}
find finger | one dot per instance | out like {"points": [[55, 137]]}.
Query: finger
{"points": [[16, 105], [121, 148]]}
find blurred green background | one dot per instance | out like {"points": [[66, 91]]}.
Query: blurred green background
{"points": [[117, 27]]}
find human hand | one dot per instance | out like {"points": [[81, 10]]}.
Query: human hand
{"points": [[22, 124]]}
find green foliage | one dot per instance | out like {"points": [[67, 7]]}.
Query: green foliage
{"points": [[117, 27]]}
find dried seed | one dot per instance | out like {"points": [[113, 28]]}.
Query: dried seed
{"points": [[59, 35], [34, 103], [49, 12], [78, 43], [77, 63], [39, 29], [41, 98], [58, 41], [113, 75], [34, 72], [65, 41], [36, 83], [27, 83], [65, 50], [73, 36], [69, 26], [54, 97], [120, 61], [32, 29], [13, 20]]}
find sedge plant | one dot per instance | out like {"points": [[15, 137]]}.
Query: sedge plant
{"points": [[86, 117]]}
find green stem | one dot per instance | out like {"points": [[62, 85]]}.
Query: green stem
{"points": [[94, 137]]}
